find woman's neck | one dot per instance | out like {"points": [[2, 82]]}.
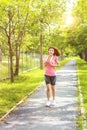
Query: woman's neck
{"points": [[50, 55]]}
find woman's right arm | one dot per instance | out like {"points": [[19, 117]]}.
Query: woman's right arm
{"points": [[45, 62]]}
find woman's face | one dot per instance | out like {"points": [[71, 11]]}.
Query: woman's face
{"points": [[51, 51]]}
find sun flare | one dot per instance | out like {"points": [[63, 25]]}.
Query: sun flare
{"points": [[69, 20]]}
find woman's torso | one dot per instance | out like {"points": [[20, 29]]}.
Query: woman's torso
{"points": [[50, 70]]}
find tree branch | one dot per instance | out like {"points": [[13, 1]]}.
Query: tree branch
{"points": [[4, 30]]}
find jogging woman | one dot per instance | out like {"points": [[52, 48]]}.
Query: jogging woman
{"points": [[50, 74]]}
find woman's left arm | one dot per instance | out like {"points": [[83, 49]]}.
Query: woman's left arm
{"points": [[56, 64]]}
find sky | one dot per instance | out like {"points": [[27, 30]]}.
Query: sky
{"points": [[70, 4], [67, 16]]}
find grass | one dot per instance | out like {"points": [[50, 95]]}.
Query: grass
{"points": [[79, 123], [82, 74], [11, 94]]}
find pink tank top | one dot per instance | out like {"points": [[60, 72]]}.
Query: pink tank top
{"points": [[50, 70]]}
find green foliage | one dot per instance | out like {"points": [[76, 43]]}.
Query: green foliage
{"points": [[45, 16], [77, 35], [79, 123], [38, 13]]}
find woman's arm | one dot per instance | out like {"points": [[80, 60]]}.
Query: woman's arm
{"points": [[55, 64], [44, 63]]}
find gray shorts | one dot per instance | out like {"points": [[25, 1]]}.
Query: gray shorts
{"points": [[50, 79]]}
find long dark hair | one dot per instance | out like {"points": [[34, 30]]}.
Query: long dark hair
{"points": [[56, 52]]}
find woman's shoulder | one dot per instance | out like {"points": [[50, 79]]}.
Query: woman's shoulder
{"points": [[56, 57]]}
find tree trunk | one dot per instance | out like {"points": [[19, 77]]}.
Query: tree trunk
{"points": [[10, 46], [41, 52], [17, 60], [85, 54], [62, 57], [0, 55], [80, 54], [11, 61]]}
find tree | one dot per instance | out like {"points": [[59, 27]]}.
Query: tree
{"points": [[13, 22], [47, 17], [77, 35]]}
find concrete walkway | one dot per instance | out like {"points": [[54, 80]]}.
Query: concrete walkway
{"points": [[33, 115]]}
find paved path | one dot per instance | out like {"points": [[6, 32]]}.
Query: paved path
{"points": [[33, 115]]}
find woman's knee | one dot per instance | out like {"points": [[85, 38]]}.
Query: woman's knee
{"points": [[53, 88], [48, 88]]}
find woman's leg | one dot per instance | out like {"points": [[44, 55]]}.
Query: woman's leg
{"points": [[48, 91], [53, 88], [53, 94], [53, 91]]}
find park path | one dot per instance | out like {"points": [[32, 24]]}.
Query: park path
{"points": [[33, 115]]}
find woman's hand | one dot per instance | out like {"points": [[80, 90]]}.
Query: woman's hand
{"points": [[57, 64], [45, 62]]}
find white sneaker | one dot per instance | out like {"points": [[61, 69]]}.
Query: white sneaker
{"points": [[48, 103], [53, 103]]}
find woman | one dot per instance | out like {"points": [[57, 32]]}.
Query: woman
{"points": [[50, 73]]}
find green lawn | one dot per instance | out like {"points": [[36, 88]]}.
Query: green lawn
{"points": [[10, 94], [82, 74]]}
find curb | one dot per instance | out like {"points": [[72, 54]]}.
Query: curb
{"points": [[3, 118]]}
